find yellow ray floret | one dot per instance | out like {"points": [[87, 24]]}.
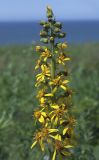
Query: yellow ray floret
{"points": [[56, 137]]}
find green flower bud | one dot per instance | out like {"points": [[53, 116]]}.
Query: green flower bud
{"points": [[59, 45], [56, 30], [42, 22], [61, 35], [43, 33], [47, 25], [51, 39], [58, 24], [44, 40], [38, 48], [49, 12], [56, 52]]}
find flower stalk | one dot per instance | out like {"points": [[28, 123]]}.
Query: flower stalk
{"points": [[52, 61], [53, 115]]}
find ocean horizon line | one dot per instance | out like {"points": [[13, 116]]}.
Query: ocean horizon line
{"points": [[62, 20]]}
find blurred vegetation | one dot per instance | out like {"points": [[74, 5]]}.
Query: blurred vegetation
{"points": [[17, 101]]}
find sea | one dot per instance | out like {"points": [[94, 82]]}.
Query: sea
{"points": [[20, 33]]}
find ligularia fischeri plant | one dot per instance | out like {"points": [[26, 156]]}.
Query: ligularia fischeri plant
{"points": [[56, 131]]}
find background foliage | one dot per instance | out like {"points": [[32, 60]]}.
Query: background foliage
{"points": [[17, 100]]}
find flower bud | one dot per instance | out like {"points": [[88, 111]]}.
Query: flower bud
{"points": [[42, 22], [38, 48], [51, 39], [44, 40], [61, 35], [59, 45], [56, 52], [56, 30], [64, 45], [43, 33], [58, 24], [49, 12], [47, 25]]}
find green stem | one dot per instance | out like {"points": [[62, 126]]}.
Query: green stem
{"points": [[52, 62], [52, 51]]}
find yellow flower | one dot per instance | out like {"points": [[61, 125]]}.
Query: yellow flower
{"points": [[42, 136], [57, 113], [58, 82], [44, 74], [42, 101], [64, 45], [61, 149], [38, 139], [42, 93], [47, 131], [38, 48], [70, 121], [68, 125], [40, 116], [46, 54], [38, 65], [62, 58]]}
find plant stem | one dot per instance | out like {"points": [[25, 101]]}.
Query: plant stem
{"points": [[52, 51], [52, 62]]}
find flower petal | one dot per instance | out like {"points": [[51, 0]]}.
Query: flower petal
{"points": [[33, 144], [49, 95], [68, 146], [53, 130], [54, 155], [64, 131], [41, 119], [56, 120], [55, 106], [42, 145], [63, 87]]}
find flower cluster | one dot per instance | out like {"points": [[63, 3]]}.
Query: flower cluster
{"points": [[54, 93]]}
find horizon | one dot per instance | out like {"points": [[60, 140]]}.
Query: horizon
{"points": [[38, 20]]}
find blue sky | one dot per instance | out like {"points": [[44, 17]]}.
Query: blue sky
{"points": [[20, 10]]}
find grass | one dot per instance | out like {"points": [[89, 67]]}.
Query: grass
{"points": [[17, 95]]}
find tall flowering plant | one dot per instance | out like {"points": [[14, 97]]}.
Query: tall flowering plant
{"points": [[56, 132]]}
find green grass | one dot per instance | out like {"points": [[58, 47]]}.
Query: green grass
{"points": [[17, 95]]}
